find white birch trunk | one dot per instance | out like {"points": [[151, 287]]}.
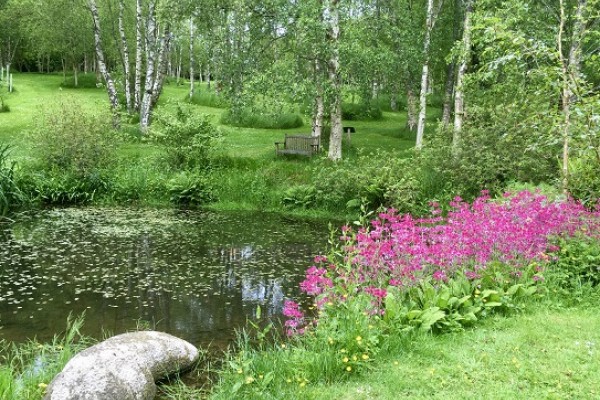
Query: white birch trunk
{"points": [[191, 58], [110, 84], [139, 51], [424, 76], [459, 101], [448, 94], [571, 71], [335, 138], [162, 64], [146, 103], [125, 52], [411, 109], [319, 108]]}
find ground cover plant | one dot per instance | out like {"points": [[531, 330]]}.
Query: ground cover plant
{"points": [[387, 285]]}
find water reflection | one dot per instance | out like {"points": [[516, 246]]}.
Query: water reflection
{"points": [[197, 276]]}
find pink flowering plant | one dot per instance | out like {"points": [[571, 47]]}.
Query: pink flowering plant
{"points": [[440, 272]]}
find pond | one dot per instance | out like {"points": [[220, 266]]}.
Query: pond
{"points": [[197, 275]]}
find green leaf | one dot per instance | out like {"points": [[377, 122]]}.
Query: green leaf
{"points": [[430, 317]]}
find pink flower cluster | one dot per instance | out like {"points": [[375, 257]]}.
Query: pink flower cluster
{"points": [[399, 250]]}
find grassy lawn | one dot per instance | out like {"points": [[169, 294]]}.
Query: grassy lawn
{"points": [[545, 354], [540, 354], [35, 93]]}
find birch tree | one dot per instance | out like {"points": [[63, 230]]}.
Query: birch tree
{"points": [[139, 52], [332, 19], [432, 13], [110, 84], [465, 56], [125, 56]]}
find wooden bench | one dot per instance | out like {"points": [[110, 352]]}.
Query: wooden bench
{"points": [[298, 144]]}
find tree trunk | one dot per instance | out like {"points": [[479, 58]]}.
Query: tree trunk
{"points": [[319, 106], [333, 34], [139, 43], [161, 72], [394, 98], [465, 57], [191, 58], [448, 94], [125, 52], [208, 75], [150, 67], [75, 74], [110, 84], [411, 109], [570, 71], [425, 76]]}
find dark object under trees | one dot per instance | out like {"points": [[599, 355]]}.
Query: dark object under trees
{"points": [[298, 144]]}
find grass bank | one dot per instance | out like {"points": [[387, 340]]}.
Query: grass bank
{"points": [[244, 172]]}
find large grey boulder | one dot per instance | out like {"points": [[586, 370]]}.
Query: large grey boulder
{"points": [[124, 367]]}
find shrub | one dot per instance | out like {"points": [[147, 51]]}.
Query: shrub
{"points": [[355, 112], [58, 187], [3, 106], [11, 195], [187, 137], [584, 179], [207, 99], [84, 81], [574, 270], [255, 119], [72, 140], [189, 189]]}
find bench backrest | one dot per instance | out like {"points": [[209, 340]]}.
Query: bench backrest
{"points": [[302, 143]]}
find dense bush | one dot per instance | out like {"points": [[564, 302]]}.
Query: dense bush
{"points": [[59, 187], [3, 106], [189, 189], [70, 139], [11, 195], [574, 269], [84, 81], [254, 119], [584, 179], [207, 99], [356, 112], [373, 180], [187, 136]]}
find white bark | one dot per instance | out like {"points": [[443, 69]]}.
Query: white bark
{"points": [[125, 52], [431, 15], [335, 138], [319, 108], [161, 72], [411, 109], [191, 58], [110, 84], [139, 51], [448, 94], [146, 104], [459, 101], [570, 71]]}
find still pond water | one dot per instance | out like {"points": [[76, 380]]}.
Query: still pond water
{"points": [[195, 275]]}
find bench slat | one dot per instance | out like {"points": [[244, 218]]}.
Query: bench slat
{"points": [[298, 144]]}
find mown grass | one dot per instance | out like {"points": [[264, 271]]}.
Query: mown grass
{"points": [[247, 173], [542, 354]]}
